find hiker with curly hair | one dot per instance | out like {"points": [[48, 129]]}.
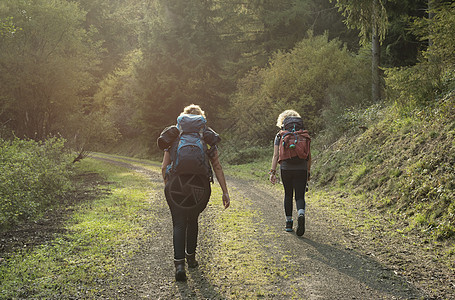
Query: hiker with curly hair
{"points": [[292, 151], [182, 164]]}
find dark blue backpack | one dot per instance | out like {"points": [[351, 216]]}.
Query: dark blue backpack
{"points": [[189, 151]]}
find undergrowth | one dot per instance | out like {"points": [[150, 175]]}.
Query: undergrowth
{"points": [[33, 177], [78, 263], [405, 162]]}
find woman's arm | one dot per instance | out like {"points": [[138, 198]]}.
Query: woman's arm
{"points": [[275, 157], [214, 159], [166, 162], [309, 165]]}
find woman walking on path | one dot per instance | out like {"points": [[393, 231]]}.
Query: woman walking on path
{"points": [[295, 170], [185, 222]]}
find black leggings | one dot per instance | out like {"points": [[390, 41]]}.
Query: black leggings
{"points": [[185, 227], [294, 180]]}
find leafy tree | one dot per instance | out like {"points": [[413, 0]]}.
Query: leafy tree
{"points": [[194, 51], [114, 23], [259, 28], [401, 46], [182, 56], [312, 77], [117, 97], [370, 18], [439, 29], [433, 74], [44, 66]]}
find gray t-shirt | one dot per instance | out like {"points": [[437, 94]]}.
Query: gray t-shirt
{"points": [[295, 164]]}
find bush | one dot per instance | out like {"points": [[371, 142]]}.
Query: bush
{"points": [[32, 177], [317, 75], [434, 75]]}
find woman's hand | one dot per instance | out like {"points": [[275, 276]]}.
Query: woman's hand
{"points": [[226, 200], [273, 178]]}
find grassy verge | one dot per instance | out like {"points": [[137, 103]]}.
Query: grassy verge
{"points": [[99, 233], [252, 171], [137, 147], [401, 166]]}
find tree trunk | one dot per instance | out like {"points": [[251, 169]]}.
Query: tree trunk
{"points": [[430, 16], [376, 55]]}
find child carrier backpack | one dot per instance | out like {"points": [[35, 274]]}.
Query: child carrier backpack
{"points": [[294, 141], [189, 150]]}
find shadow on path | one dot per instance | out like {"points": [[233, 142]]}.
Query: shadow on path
{"points": [[198, 287], [364, 269]]}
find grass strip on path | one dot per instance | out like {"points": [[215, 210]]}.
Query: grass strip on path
{"points": [[237, 251]]}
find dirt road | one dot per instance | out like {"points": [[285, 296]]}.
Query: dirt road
{"points": [[318, 265]]}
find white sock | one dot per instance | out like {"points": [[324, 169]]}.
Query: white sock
{"points": [[301, 211]]}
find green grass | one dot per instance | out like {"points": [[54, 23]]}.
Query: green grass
{"points": [[252, 171], [403, 161], [99, 234], [104, 233], [401, 168], [235, 260]]}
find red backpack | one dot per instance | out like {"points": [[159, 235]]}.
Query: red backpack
{"points": [[294, 141]]}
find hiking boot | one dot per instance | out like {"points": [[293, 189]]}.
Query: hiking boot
{"points": [[300, 225], [289, 226], [180, 273], [191, 260]]}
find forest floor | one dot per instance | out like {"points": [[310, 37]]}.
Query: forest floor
{"points": [[251, 256]]}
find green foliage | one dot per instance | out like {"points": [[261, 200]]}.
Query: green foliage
{"points": [[348, 121], [433, 76], [407, 160], [368, 16], [181, 63], [46, 66], [7, 27], [316, 75], [115, 24], [245, 155], [440, 31], [196, 51], [97, 131], [99, 235], [117, 97], [400, 46], [33, 177]]}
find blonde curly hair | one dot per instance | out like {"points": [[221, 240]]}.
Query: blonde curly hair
{"points": [[193, 109], [284, 115]]}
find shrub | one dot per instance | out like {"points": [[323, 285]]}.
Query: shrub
{"points": [[317, 75], [32, 177]]}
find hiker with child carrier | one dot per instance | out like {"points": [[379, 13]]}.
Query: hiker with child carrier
{"points": [[190, 153], [292, 151]]}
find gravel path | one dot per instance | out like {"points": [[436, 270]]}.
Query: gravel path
{"points": [[318, 265]]}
